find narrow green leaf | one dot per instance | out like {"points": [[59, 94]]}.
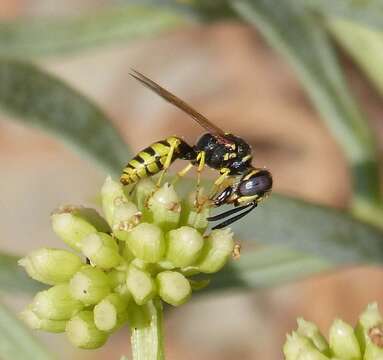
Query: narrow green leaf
{"points": [[311, 229], [39, 99], [47, 36], [303, 41], [364, 44], [13, 278], [16, 341], [267, 267], [368, 12]]}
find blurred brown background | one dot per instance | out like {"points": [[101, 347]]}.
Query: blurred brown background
{"points": [[231, 75]]}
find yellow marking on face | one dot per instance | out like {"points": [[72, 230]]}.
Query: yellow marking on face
{"points": [[247, 199], [246, 158]]}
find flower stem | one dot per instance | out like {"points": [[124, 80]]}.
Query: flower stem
{"points": [[147, 341]]}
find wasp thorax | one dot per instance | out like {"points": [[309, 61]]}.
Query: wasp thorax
{"points": [[258, 183]]}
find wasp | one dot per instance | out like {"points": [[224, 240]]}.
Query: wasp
{"points": [[219, 150]]}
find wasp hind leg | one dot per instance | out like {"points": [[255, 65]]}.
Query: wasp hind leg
{"points": [[182, 172], [167, 163], [201, 165]]}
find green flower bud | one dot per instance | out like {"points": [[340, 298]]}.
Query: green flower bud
{"points": [[296, 344], [217, 250], [89, 285], [126, 252], [184, 246], [374, 346], [116, 278], [110, 313], [126, 217], [56, 303], [369, 319], [112, 195], [199, 284], [144, 189], [138, 316], [311, 331], [140, 284], [165, 207], [195, 216], [173, 287], [37, 323], [102, 250], [73, 224], [343, 342], [147, 242], [83, 333], [51, 266]]}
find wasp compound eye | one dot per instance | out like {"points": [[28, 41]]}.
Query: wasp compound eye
{"points": [[260, 183]]}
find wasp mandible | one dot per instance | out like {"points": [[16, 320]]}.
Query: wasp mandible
{"points": [[225, 152]]}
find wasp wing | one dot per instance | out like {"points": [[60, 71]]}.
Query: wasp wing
{"points": [[168, 96]]}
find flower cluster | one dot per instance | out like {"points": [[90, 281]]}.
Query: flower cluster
{"points": [[149, 246], [365, 341]]}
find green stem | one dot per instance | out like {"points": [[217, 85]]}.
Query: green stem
{"points": [[147, 341]]}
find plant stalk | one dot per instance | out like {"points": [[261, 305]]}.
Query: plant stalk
{"points": [[147, 341]]}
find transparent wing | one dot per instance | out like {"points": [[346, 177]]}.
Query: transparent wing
{"points": [[168, 96]]}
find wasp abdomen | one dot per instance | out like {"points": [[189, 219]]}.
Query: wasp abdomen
{"points": [[151, 160]]}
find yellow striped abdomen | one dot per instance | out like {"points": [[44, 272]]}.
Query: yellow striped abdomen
{"points": [[150, 161]]}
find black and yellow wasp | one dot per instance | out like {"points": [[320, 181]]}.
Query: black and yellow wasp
{"points": [[216, 149]]}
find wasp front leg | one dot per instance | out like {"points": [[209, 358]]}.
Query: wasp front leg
{"points": [[225, 172]]}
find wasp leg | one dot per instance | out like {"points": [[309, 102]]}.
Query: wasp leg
{"points": [[227, 222], [201, 165], [225, 172], [183, 172], [167, 164]]}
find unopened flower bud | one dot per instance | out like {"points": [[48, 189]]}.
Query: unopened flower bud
{"points": [[126, 217], [216, 251], [296, 344], [83, 333], [89, 285], [116, 278], [343, 342], [165, 207], [110, 313], [102, 250], [51, 266], [197, 285], [140, 284], [56, 303], [369, 319], [374, 346], [173, 287], [147, 242], [37, 323], [144, 189], [112, 195], [193, 213], [73, 224], [184, 245], [311, 331]]}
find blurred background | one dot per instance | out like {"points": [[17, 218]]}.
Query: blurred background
{"points": [[228, 72]]}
